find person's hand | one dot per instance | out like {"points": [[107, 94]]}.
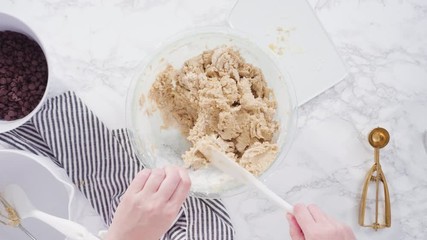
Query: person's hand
{"points": [[310, 223], [150, 204]]}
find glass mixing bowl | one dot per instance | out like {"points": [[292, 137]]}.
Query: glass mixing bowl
{"points": [[157, 146]]}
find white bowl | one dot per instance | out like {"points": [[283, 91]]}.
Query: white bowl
{"points": [[45, 190], [158, 147], [8, 22]]}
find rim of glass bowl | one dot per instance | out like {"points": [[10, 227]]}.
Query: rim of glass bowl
{"points": [[145, 62]]}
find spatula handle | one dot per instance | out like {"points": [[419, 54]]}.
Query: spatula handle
{"points": [[273, 196], [230, 167], [250, 179]]}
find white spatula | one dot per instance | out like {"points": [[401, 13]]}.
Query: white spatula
{"points": [[228, 166]]}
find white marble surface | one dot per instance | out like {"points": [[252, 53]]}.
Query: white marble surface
{"points": [[95, 47]]}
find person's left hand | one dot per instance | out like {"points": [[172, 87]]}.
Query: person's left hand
{"points": [[150, 204]]}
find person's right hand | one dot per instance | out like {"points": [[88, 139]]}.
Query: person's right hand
{"points": [[150, 205], [310, 223]]}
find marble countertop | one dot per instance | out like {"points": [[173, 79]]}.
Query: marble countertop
{"points": [[95, 47]]}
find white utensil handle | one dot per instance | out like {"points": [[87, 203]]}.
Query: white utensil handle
{"points": [[250, 179], [230, 167], [68, 228]]}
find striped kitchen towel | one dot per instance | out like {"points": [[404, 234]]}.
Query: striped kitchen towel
{"points": [[101, 163]]}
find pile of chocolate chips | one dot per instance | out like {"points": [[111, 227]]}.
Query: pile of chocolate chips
{"points": [[23, 75]]}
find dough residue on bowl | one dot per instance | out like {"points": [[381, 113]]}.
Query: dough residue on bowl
{"points": [[217, 98]]}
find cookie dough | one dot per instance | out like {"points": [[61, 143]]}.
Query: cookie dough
{"points": [[217, 98]]}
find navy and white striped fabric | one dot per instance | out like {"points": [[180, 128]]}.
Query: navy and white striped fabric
{"points": [[102, 163]]}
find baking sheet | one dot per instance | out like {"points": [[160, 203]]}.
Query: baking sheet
{"points": [[291, 31]]}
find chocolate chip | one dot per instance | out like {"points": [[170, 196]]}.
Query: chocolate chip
{"points": [[23, 75], [11, 113]]}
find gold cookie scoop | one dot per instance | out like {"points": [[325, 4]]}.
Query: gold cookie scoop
{"points": [[378, 138]]}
